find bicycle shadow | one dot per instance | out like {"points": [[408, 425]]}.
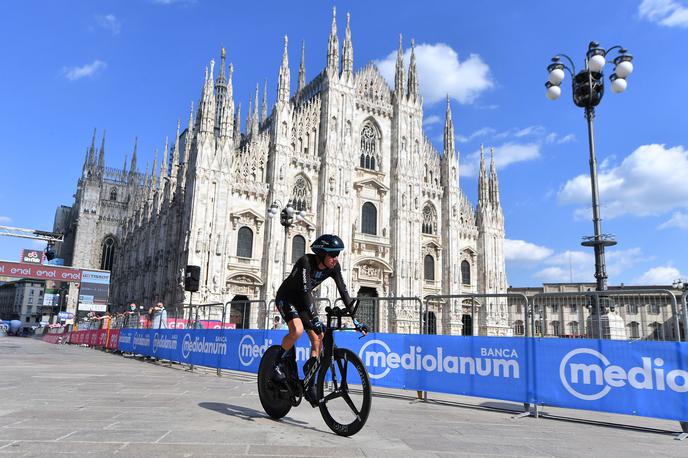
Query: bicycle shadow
{"points": [[248, 414]]}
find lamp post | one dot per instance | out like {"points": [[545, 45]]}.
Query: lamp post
{"points": [[288, 217], [588, 89]]}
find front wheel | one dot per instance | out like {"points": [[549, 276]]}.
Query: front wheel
{"points": [[272, 395], [344, 393]]}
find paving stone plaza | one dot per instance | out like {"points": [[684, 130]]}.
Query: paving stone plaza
{"points": [[65, 399]]}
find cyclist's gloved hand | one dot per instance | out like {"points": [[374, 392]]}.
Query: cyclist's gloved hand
{"points": [[318, 326], [360, 327]]}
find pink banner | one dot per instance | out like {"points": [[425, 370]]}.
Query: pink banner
{"points": [[55, 338], [39, 272], [113, 339], [205, 324]]}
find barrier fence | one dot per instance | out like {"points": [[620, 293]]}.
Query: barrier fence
{"points": [[616, 374]]}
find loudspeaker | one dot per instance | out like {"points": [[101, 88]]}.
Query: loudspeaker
{"points": [[192, 278]]}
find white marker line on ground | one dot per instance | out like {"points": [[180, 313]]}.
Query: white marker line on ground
{"points": [[65, 436], [162, 437], [15, 423], [7, 445]]}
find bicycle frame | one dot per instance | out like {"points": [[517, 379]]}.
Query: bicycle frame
{"points": [[334, 323]]}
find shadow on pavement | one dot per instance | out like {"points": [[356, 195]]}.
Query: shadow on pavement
{"points": [[248, 414], [235, 411]]}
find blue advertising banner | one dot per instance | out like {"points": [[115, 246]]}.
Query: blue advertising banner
{"points": [[636, 378], [490, 367], [630, 377]]}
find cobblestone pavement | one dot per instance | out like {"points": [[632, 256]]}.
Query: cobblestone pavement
{"points": [[59, 399]]}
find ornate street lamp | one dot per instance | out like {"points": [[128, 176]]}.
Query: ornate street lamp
{"points": [[587, 91], [288, 217]]}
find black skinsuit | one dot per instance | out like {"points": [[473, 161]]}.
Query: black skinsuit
{"points": [[295, 295]]}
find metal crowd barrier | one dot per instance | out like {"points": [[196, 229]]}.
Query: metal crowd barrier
{"points": [[438, 302], [633, 314], [249, 309], [389, 314]]}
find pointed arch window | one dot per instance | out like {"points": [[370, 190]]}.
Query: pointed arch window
{"points": [[369, 219], [429, 220], [108, 253], [113, 194], [465, 273], [370, 147], [298, 248], [245, 243], [301, 195], [429, 267]]}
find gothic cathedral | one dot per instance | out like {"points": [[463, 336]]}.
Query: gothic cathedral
{"points": [[348, 151]]}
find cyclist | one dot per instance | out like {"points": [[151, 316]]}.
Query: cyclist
{"points": [[296, 303]]}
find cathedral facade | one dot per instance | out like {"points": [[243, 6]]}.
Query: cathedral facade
{"points": [[348, 151]]}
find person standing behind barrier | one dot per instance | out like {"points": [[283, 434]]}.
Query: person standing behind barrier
{"points": [[278, 324], [158, 316], [132, 318]]}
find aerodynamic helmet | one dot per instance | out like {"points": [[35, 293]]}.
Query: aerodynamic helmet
{"points": [[327, 244]]}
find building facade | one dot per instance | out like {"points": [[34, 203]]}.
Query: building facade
{"points": [[23, 300], [642, 316], [346, 149]]}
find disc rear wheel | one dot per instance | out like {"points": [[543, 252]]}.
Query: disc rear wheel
{"points": [[273, 395], [344, 393]]}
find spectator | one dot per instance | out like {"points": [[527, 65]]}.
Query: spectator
{"points": [[132, 316], [105, 320], [278, 324], [158, 316]]}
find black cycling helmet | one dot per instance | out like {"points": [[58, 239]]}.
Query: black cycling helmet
{"points": [[327, 244]]}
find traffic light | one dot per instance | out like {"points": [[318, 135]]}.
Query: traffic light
{"points": [[192, 278], [49, 253]]}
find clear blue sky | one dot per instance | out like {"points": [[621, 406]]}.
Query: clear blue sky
{"points": [[134, 67]]}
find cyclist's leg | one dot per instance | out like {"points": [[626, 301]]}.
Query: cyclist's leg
{"points": [[291, 316], [295, 325], [316, 343]]}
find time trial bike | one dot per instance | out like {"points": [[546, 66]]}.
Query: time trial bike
{"points": [[342, 384]]}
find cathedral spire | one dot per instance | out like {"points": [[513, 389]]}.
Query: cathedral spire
{"points": [[494, 181], [283, 85], [124, 167], [132, 168], [449, 149], [333, 48], [175, 153], [399, 74], [237, 126], [206, 109], [254, 120], [163, 164], [347, 52], [264, 106], [248, 115], [302, 68], [85, 167], [483, 186], [413, 77], [92, 150], [221, 79], [230, 87], [189, 127], [155, 164], [101, 154]]}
